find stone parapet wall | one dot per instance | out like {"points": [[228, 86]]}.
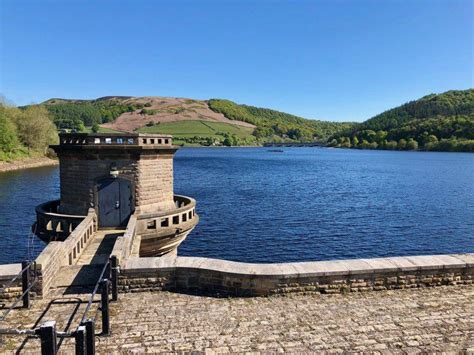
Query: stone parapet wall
{"points": [[67, 252], [123, 245], [227, 278]]}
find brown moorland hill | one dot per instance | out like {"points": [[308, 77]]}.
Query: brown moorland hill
{"points": [[167, 109]]}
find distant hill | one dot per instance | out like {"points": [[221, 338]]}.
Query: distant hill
{"points": [[191, 121], [434, 122]]}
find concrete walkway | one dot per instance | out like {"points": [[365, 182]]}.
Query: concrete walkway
{"points": [[439, 319], [89, 266]]}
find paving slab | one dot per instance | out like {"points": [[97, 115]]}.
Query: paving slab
{"points": [[425, 320]]}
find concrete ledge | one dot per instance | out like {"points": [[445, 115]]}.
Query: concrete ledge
{"points": [[204, 275]]}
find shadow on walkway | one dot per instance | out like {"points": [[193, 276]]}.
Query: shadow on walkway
{"points": [[86, 276]]}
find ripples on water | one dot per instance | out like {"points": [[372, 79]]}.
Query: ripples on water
{"points": [[299, 205]]}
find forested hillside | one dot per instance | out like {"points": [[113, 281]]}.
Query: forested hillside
{"points": [[78, 114], [274, 124], [25, 133], [443, 122], [152, 114]]}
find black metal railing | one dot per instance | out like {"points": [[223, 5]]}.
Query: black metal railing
{"points": [[84, 334], [107, 283], [27, 267]]}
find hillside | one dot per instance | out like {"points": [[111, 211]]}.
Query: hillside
{"points": [[203, 122], [443, 122]]}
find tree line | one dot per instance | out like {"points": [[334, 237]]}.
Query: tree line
{"points": [[80, 114], [443, 122], [274, 125], [24, 132]]}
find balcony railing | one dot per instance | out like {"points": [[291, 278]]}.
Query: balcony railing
{"points": [[51, 225], [183, 217], [115, 139]]}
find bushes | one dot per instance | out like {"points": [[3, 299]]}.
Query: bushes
{"points": [[23, 132], [8, 137]]}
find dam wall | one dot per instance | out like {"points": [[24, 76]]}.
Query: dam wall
{"points": [[228, 278]]}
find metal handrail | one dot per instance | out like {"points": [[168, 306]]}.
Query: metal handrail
{"points": [[5, 314], [26, 287], [17, 276], [96, 288]]}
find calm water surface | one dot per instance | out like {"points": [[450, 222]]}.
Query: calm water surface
{"points": [[302, 204]]}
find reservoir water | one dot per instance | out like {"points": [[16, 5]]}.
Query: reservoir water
{"points": [[297, 205]]}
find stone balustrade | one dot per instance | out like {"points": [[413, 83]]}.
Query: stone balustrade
{"points": [[61, 253], [175, 219], [51, 225], [161, 232], [222, 277], [115, 139]]}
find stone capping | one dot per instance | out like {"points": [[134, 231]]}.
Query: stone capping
{"points": [[123, 245], [307, 269], [8, 272], [222, 277], [183, 204]]}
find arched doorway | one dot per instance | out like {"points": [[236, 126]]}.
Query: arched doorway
{"points": [[115, 202]]}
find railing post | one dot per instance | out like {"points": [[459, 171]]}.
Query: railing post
{"points": [[104, 306], [25, 283], [113, 264], [90, 336], [81, 343], [48, 338]]}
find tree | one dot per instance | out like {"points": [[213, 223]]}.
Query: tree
{"points": [[402, 144], [8, 139], [355, 142], [227, 142], [35, 128], [391, 145], [412, 144], [95, 127]]}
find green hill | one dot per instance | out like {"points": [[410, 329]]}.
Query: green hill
{"points": [[443, 122], [273, 124], [192, 121], [203, 133]]}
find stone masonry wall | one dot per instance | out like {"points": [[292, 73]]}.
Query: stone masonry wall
{"points": [[155, 183], [225, 278], [151, 174], [79, 177]]}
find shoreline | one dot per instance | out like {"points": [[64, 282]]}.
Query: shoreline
{"points": [[27, 163]]}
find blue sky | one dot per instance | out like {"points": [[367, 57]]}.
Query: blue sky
{"points": [[334, 60]]}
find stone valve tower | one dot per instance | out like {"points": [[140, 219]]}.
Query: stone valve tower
{"points": [[117, 176]]}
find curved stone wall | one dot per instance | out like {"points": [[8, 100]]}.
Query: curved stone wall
{"points": [[224, 278]]}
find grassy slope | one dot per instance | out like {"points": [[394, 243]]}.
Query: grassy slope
{"points": [[182, 129], [101, 130]]}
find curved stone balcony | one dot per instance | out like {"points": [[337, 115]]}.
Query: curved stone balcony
{"points": [[162, 232], [51, 225]]}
